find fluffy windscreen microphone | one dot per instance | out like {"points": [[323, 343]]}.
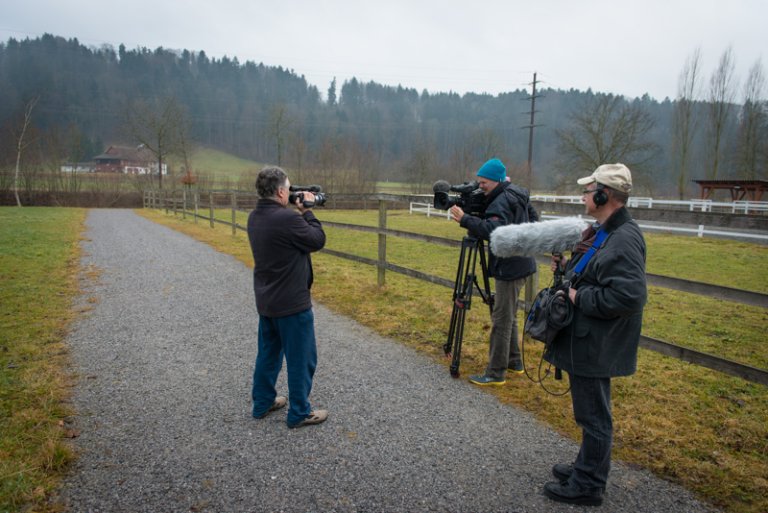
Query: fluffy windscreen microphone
{"points": [[441, 186], [530, 239]]}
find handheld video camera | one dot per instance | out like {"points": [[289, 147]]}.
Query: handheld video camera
{"points": [[470, 197], [297, 192]]}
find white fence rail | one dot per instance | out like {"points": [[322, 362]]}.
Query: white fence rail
{"points": [[699, 231], [692, 205], [427, 208]]}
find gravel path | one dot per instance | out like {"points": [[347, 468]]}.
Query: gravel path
{"points": [[164, 362]]}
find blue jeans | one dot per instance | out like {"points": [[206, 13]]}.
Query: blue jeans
{"points": [[292, 336], [592, 410]]}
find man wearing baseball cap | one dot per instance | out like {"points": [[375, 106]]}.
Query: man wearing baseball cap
{"points": [[608, 297], [506, 203]]}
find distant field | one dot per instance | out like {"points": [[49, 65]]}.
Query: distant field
{"points": [[217, 169], [395, 187], [224, 170]]}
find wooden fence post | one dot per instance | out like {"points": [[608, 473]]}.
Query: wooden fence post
{"points": [[234, 212], [184, 204], [197, 204], [531, 289], [210, 206], [382, 243]]}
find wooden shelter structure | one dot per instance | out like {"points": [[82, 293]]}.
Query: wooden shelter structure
{"points": [[749, 190]]}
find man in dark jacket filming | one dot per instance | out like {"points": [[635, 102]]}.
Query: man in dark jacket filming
{"points": [[601, 342], [505, 204], [281, 241]]}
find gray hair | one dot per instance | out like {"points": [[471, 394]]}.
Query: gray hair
{"points": [[270, 179], [620, 196]]}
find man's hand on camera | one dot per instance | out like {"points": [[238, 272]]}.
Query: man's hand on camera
{"points": [[309, 198], [456, 213]]}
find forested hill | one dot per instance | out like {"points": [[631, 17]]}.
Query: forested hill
{"points": [[271, 114]]}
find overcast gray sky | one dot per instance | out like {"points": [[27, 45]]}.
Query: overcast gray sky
{"points": [[492, 46]]}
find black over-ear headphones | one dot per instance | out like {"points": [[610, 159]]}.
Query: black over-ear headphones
{"points": [[600, 197]]}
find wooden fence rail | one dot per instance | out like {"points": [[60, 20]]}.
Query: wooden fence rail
{"points": [[172, 203]]}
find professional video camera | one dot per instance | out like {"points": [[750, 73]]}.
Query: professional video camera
{"points": [[297, 192], [470, 198]]}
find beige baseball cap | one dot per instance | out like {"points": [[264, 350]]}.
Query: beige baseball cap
{"points": [[615, 176]]}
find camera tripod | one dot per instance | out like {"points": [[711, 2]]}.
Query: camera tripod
{"points": [[466, 281]]}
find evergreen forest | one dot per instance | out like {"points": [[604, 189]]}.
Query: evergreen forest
{"points": [[86, 98]]}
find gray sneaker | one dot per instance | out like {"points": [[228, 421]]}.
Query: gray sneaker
{"points": [[280, 402], [484, 381], [315, 417]]}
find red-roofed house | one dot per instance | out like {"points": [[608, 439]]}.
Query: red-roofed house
{"points": [[128, 160]]}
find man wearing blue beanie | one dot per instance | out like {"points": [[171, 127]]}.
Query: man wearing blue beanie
{"points": [[493, 170], [505, 203]]}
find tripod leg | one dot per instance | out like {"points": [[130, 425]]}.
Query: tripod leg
{"points": [[462, 301], [457, 300], [456, 359], [448, 346]]}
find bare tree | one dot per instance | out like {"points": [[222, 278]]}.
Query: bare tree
{"points": [[460, 163], [607, 129], [21, 144], [185, 147], [721, 95], [63, 145], [752, 123], [328, 161], [487, 144], [157, 127], [684, 124], [422, 164], [279, 124]]}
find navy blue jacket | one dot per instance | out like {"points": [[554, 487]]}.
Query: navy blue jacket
{"points": [[507, 204], [281, 241]]}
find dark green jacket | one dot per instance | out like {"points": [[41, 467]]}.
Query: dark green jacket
{"points": [[603, 338]]}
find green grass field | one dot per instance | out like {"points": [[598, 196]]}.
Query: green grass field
{"points": [[688, 424], [219, 170], [39, 251]]}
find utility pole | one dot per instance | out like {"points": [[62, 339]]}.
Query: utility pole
{"points": [[530, 127]]}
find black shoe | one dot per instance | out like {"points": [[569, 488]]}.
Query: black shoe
{"points": [[562, 472], [570, 495], [517, 368]]}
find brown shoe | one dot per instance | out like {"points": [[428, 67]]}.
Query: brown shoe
{"points": [[280, 402], [315, 417]]}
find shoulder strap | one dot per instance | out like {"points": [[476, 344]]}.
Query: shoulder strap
{"points": [[599, 239]]}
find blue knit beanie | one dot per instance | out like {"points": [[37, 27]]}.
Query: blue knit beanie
{"points": [[493, 170]]}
